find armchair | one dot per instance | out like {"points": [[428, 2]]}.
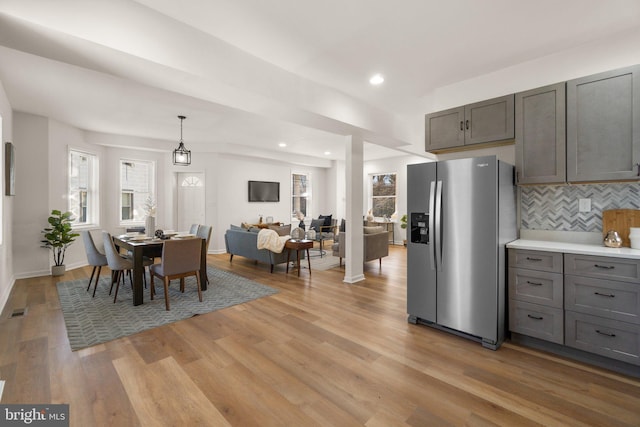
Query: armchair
{"points": [[376, 244], [325, 228]]}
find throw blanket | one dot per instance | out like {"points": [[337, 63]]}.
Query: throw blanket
{"points": [[269, 239]]}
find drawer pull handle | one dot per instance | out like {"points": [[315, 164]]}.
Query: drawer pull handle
{"points": [[606, 267], [534, 283], [531, 316], [534, 259], [605, 295], [608, 334]]}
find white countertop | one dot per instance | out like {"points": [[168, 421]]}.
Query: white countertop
{"points": [[574, 248]]}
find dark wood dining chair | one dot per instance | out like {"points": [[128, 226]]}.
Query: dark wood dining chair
{"points": [[180, 259], [204, 232]]}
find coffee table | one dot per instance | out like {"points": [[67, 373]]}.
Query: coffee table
{"points": [[298, 245]]}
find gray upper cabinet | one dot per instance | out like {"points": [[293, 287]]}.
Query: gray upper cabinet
{"points": [[540, 127], [481, 122], [603, 126], [444, 129]]}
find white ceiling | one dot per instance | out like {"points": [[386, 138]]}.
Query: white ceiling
{"points": [[249, 74]]}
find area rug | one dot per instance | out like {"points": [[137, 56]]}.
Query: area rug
{"points": [[92, 321], [325, 262]]}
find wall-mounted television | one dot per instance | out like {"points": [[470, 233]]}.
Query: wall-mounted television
{"points": [[264, 191]]}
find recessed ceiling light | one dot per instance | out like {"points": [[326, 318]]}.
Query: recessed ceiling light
{"points": [[376, 79], [282, 144], [326, 153]]}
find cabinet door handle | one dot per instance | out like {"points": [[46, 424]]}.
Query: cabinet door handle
{"points": [[467, 124], [461, 125], [605, 295], [605, 267], [534, 259], [607, 334], [638, 165], [531, 316], [534, 283]]}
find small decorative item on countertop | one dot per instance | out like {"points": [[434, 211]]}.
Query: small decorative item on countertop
{"points": [[634, 236], [612, 239]]}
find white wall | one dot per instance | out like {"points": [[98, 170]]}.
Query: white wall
{"points": [[31, 202], [231, 175], [614, 52], [6, 254]]}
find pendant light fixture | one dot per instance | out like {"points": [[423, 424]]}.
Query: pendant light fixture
{"points": [[181, 156]]}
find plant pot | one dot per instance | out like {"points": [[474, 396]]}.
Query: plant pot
{"points": [[57, 270]]}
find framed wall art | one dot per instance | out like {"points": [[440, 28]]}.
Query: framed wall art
{"points": [[9, 169]]}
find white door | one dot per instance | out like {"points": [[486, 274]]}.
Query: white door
{"points": [[190, 200]]}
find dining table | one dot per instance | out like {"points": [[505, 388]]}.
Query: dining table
{"points": [[141, 245]]}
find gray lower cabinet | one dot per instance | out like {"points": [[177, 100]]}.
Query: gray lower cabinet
{"points": [[540, 124], [591, 303], [482, 122], [603, 126], [535, 294], [602, 306]]}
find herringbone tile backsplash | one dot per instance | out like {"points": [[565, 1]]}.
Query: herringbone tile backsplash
{"points": [[556, 207]]}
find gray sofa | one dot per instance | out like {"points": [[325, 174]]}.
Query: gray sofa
{"points": [[242, 242], [375, 241]]}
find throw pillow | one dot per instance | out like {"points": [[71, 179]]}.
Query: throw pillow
{"points": [[327, 219], [316, 224], [282, 230]]}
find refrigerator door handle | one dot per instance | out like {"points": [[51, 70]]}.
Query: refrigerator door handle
{"points": [[438, 225], [432, 201]]}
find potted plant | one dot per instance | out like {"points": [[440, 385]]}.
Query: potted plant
{"points": [[403, 225], [57, 237]]}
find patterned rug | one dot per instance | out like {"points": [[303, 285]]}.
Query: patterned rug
{"points": [[92, 321], [325, 262]]}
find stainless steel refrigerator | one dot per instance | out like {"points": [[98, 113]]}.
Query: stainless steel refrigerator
{"points": [[462, 213]]}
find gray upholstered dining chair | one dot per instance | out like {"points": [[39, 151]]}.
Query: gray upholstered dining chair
{"points": [[95, 258], [194, 228], [180, 259], [117, 264]]}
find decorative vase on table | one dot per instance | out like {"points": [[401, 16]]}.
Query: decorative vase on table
{"points": [[150, 226]]}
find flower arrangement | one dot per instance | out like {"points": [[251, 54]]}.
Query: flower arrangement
{"points": [[150, 207]]}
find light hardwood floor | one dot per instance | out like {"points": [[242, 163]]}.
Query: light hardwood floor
{"points": [[320, 352]]}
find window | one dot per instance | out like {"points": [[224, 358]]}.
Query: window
{"points": [[383, 194], [300, 195], [137, 184], [127, 205], [83, 187]]}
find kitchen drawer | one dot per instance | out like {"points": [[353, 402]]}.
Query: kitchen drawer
{"points": [[538, 287], [611, 338], [536, 321], [536, 260], [605, 298], [624, 269]]}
